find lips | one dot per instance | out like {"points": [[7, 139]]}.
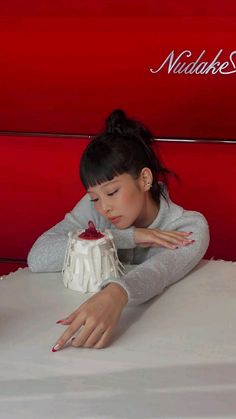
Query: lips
{"points": [[115, 219]]}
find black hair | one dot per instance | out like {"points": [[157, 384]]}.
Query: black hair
{"points": [[125, 146]]}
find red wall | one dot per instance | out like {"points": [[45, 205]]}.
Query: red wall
{"points": [[40, 183], [65, 64]]}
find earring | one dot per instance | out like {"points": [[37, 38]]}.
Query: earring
{"points": [[148, 185]]}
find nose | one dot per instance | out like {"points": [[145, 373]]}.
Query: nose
{"points": [[106, 206]]}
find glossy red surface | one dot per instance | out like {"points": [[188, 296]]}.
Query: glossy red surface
{"points": [[65, 65]]}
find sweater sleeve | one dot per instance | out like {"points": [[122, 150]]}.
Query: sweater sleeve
{"points": [[165, 266], [48, 252]]}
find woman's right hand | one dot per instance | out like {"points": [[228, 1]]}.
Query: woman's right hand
{"points": [[147, 237]]}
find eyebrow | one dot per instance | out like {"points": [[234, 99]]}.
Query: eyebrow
{"points": [[110, 182]]}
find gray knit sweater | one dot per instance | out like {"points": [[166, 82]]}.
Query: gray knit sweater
{"points": [[148, 270]]}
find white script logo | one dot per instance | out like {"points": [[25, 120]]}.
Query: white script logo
{"points": [[178, 66]]}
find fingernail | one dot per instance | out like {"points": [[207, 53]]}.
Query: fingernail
{"points": [[55, 348], [60, 321]]}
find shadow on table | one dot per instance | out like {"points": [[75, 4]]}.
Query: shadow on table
{"points": [[158, 392]]}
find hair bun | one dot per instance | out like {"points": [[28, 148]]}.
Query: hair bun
{"points": [[116, 122]]}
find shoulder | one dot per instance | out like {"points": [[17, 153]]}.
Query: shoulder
{"points": [[194, 222], [181, 215], [175, 217], [84, 206]]}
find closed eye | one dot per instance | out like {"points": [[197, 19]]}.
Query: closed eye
{"points": [[109, 194], [112, 193]]}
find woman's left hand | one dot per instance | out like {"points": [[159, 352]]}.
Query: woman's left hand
{"points": [[97, 318]]}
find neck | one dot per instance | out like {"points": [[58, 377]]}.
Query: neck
{"points": [[149, 212]]}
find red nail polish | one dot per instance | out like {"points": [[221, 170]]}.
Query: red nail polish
{"points": [[60, 321], [55, 348]]}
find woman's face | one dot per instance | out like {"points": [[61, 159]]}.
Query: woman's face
{"points": [[121, 200]]}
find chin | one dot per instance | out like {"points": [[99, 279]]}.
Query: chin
{"points": [[122, 226]]}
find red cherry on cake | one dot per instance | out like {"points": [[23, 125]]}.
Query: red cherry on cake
{"points": [[91, 233]]}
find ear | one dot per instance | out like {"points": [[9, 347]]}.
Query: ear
{"points": [[146, 178]]}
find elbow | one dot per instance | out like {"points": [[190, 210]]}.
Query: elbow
{"points": [[34, 262], [47, 254], [39, 260], [203, 237], [201, 243]]}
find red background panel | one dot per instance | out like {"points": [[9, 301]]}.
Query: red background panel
{"points": [[40, 183], [107, 8], [65, 65]]}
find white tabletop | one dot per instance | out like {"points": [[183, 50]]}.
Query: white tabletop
{"points": [[173, 357]]}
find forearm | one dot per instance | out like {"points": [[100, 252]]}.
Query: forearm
{"points": [[48, 253], [163, 269]]}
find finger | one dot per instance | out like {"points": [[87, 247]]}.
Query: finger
{"points": [[66, 321], [184, 233], [175, 232], [104, 340], [157, 241], [94, 338], [171, 238], [69, 319], [181, 241], [168, 235], [176, 235], [69, 332], [84, 334], [181, 233], [169, 246]]}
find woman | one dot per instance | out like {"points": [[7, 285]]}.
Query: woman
{"points": [[127, 193]]}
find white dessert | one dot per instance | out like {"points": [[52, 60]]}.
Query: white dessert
{"points": [[89, 262]]}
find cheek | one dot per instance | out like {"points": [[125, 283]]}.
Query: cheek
{"points": [[98, 207], [132, 199]]}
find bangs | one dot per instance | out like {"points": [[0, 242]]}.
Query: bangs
{"points": [[92, 175], [101, 166]]}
